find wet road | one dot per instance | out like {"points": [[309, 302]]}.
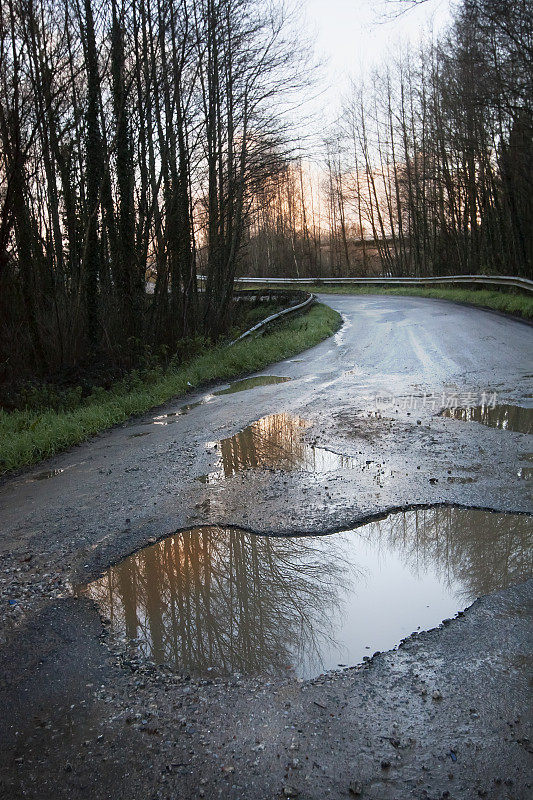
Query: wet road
{"points": [[85, 718], [144, 479]]}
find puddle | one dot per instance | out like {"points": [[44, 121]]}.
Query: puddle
{"points": [[189, 406], [525, 473], [166, 419], [276, 442], [136, 435], [213, 601], [170, 417], [251, 383], [43, 476], [505, 417]]}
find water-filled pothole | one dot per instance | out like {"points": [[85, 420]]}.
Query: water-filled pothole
{"points": [[49, 473], [215, 600], [252, 383], [170, 416], [505, 417], [276, 442]]}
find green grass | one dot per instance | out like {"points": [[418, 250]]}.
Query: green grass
{"points": [[28, 436], [518, 305]]}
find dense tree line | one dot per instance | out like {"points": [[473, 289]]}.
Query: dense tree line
{"points": [[444, 144], [149, 138], [430, 167], [134, 135], [286, 234]]}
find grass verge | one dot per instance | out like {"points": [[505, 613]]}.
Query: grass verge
{"points": [[26, 437], [517, 305]]}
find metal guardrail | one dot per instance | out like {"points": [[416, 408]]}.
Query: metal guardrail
{"points": [[309, 300], [497, 280]]}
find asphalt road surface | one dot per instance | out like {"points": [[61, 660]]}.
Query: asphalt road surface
{"points": [[120, 488], [355, 432]]}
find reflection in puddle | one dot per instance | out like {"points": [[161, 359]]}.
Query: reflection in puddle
{"points": [[526, 473], [251, 383], [170, 417], [217, 600], [509, 418], [43, 476], [276, 442], [136, 435]]}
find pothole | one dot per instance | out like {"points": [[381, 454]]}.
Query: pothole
{"points": [[49, 473], [276, 442], [170, 416], [505, 417], [214, 601], [252, 383]]}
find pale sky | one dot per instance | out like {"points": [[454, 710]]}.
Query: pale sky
{"points": [[353, 35]]}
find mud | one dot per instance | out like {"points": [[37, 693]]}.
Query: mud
{"points": [[444, 713]]}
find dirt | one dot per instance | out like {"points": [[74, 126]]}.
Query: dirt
{"points": [[80, 721]]}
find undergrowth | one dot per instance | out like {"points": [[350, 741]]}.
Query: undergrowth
{"points": [[31, 434]]}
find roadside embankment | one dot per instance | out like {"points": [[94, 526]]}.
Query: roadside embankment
{"points": [[515, 304], [27, 436]]}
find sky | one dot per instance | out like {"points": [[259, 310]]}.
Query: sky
{"points": [[353, 35]]}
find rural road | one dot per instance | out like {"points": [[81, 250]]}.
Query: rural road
{"points": [[119, 489], [354, 433]]}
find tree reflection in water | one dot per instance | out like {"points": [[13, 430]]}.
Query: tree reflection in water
{"points": [[474, 552], [274, 442], [224, 600], [505, 417]]}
